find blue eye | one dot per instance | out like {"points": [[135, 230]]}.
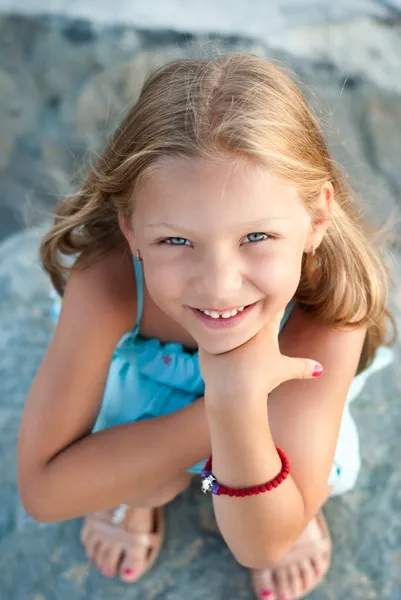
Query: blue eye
{"points": [[175, 241], [257, 237]]}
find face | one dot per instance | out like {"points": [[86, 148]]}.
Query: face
{"points": [[219, 236]]}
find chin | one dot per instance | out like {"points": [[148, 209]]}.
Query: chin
{"points": [[224, 343]]}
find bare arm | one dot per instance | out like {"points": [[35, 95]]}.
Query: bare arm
{"points": [[303, 418], [64, 470]]}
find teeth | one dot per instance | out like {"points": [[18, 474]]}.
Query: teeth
{"points": [[224, 315], [229, 313]]}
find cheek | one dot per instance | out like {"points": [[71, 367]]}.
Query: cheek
{"points": [[164, 285], [280, 280]]}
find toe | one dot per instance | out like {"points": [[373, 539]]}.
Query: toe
{"points": [[283, 584], [296, 581], [84, 533], [91, 546], [101, 559], [131, 567], [319, 564], [263, 584], [308, 574], [113, 558]]}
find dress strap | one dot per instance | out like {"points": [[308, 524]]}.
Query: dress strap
{"points": [[139, 292], [288, 310]]}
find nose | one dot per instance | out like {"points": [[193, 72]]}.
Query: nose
{"points": [[218, 281]]}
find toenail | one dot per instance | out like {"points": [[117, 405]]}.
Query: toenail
{"points": [[128, 572], [283, 597], [107, 573], [266, 593]]}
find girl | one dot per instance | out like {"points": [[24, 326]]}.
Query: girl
{"points": [[215, 217]]}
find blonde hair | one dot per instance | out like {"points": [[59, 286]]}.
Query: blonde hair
{"points": [[243, 105]]}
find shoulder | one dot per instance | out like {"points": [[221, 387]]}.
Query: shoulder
{"points": [[305, 333], [104, 291]]}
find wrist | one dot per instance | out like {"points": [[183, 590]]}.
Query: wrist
{"points": [[239, 428], [238, 402]]}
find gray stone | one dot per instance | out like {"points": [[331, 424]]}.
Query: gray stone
{"points": [[17, 117], [365, 524], [61, 66], [205, 16], [107, 96], [71, 83], [383, 120], [376, 58]]}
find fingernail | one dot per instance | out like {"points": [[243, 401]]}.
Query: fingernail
{"points": [[128, 572], [317, 371], [266, 593]]}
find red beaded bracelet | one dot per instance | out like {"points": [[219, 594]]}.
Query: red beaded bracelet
{"points": [[210, 483]]}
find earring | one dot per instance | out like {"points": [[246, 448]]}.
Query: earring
{"points": [[138, 255], [312, 251]]}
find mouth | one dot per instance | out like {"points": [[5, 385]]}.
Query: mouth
{"points": [[226, 318]]}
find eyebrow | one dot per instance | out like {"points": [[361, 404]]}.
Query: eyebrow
{"points": [[258, 223]]}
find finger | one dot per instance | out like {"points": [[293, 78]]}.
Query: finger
{"points": [[301, 368]]}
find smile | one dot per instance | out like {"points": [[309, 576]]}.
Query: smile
{"points": [[227, 318], [226, 314]]}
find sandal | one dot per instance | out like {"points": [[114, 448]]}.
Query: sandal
{"points": [[301, 570], [131, 545]]}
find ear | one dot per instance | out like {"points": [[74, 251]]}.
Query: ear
{"points": [[321, 217], [127, 231]]}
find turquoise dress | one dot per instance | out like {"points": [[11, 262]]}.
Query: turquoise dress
{"points": [[148, 379]]}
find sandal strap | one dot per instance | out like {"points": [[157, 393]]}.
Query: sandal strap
{"points": [[141, 540], [119, 514], [144, 540]]}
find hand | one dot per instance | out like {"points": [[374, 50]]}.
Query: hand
{"points": [[255, 368]]}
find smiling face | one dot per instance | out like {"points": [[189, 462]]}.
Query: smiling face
{"points": [[219, 236]]}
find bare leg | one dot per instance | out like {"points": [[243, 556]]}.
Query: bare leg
{"points": [[301, 569]]}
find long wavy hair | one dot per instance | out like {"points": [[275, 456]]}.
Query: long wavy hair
{"points": [[243, 105]]}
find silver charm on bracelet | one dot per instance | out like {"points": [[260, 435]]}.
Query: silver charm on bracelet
{"points": [[207, 483]]}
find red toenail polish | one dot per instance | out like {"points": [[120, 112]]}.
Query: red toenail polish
{"points": [[266, 593], [128, 572]]}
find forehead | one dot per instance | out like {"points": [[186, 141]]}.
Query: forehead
{"points": [[194, 188]]}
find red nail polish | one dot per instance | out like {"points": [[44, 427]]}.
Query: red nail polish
{"points": [[266, 593], [128, 572], [317, 371]]}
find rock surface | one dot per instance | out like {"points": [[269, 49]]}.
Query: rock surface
{"points": [[64, 85]]}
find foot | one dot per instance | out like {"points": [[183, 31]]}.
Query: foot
{"points": [[301, 570], [127, 540]]}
